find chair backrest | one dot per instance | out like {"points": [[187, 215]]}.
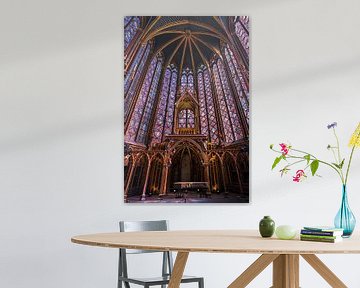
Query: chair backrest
{"points": [[138, 226]]}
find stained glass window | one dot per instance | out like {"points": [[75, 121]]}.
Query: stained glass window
{"points": [[132, 77], [245, 21], [127, 19], [166, 105], [190, 83], [238, 78], [182, 118], [130, 30], [171, 104], [190, 118], [183, 83], [140, 119], [213, 128], [242, 33], [186, 118], [202, 102], [206, 101], [229, 114], [187, 81]]}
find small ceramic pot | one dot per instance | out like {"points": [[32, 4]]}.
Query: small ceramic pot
{"points": [[266, 227]]}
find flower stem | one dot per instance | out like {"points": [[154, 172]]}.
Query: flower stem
{"points": [[320, 161], [348, 168], [338, 146], [304, 152], [312, 159], [350, 159], [296, 162]]}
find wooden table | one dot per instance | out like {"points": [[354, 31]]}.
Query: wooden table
{"points": [[284, 254]]}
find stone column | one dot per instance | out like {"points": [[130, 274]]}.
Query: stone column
{"points": [[129, 181], [207, 177], [223, 176], [239, 179], [146, 181], [165, 173]]}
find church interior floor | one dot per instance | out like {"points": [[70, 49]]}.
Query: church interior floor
{"points": [[192, 198]]}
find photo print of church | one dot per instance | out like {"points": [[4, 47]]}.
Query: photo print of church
{"points": [[186, 109]]}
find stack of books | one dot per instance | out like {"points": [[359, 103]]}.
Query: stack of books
{"points": [[321, 234]]}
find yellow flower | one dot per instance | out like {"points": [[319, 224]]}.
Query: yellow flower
{"points": [[355, 137]]}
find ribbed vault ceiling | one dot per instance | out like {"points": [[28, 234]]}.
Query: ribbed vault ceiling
{"points": [[185, 41]]}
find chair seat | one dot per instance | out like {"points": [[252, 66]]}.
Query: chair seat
{"points": [[158, 280]]}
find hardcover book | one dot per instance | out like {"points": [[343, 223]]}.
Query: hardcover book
{"points": [[323, 228], [325, 240], [321, 233]]}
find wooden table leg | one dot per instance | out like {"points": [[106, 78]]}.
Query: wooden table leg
{"points": [[178, 269], [253, 270], [324, 271], [286, 271]]}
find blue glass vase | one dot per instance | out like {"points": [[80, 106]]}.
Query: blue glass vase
{"points": [[345, 219]]}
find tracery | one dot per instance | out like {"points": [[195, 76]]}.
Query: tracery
{"points": [[132, 25]]}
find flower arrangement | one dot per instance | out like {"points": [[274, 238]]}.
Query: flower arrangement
{"points": [[293, 156]]}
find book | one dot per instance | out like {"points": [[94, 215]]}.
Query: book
{"points": [[320, 237], [324, 240], [321, 233], [323, 228]]}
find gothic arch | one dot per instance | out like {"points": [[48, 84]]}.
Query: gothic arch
{"points": [[231, 175], [155, 174]]}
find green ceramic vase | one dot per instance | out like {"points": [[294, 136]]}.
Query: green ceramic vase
{"points": [[266, 227]]}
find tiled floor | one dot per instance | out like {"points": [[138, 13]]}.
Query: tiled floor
{"points": [[191, 198]]}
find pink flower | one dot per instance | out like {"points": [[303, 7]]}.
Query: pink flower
{"points": [[284, 148], [300, 175]]}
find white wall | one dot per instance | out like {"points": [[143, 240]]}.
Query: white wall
{"points": [[61, 133]]}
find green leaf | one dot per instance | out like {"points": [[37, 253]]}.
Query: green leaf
{"points": [[342, 163], [276, 161], [314, 166], [336, 165], [307, 157], [271, 146], [284, 171]]}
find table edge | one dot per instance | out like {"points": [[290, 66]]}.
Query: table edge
{"points": [[204, 250]]}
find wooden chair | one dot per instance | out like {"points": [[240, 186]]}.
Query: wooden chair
{"points": [[167, 263]]}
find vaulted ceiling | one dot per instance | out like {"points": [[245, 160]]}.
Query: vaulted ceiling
{"points": [[186, 41]]}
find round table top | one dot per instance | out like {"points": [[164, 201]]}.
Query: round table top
{"points": [[219, 241]]}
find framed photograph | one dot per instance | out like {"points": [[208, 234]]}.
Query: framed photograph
{"points": [[186, 109]]}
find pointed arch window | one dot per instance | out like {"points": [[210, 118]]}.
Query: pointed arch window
{"points": [[242, 32], [238, 79], [229, 114], [166, 105], [130, 29], [132, 77], [186, 118], [171, 104], [206, 102], [187, 81], [140, 119]]}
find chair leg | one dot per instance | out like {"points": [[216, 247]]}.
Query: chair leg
{"points": [[201, 283]]}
